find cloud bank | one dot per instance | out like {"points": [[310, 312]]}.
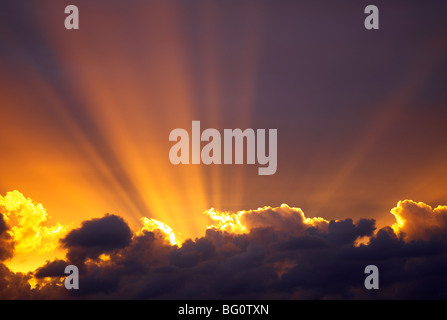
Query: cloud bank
{"points": [[267, 253]]}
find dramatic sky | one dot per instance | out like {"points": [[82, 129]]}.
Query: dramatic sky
{"points": [[85, 176]]}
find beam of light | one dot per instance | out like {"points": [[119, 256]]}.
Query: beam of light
{"points": [[126, 115], [106, 110], [215, 102], [387, 115], [109, 117]]}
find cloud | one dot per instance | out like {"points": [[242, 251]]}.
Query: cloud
{"points": [[267, 253], [96, 237], [287, 219], [419, 221], [6, 242], [14, 285], [51, 269], [28, 231]]}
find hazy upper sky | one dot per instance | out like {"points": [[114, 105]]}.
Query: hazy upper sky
{"points": [[86, 114]]}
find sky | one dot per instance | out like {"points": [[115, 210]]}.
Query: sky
{"points": [[85, 171]]}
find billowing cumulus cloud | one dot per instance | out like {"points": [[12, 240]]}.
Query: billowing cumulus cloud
{"points": [[96, 237], [267, 253], [28, 230], [419, 221]]}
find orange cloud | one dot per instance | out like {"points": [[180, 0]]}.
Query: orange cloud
{"points": [[282, 218], [153, 224], [29, 234], [419, 221]]}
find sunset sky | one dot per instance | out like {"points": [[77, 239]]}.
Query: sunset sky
{"points": [[85, 118]]}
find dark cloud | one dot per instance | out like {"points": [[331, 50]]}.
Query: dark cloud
{"points": [[345, 231], [317, 260], [316, 264], [14, 285], [54, 268], [96, 237], [6, 243]]}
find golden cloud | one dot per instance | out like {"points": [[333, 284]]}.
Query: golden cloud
{"points": [[419, 221]]}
